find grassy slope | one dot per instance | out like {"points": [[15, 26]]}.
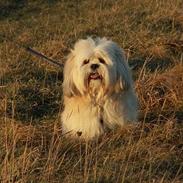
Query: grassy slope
{"points": [[32, 148]]}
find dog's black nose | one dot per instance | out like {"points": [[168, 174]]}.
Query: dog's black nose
{"points": [[94, 66]]}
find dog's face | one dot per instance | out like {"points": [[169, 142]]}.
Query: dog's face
{"points": [[93, 71], [94, 65]]}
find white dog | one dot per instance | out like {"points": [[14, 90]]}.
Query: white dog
{"points": [[98, 89]]}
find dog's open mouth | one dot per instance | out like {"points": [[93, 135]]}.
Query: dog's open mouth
{"points": [[94, 76]]}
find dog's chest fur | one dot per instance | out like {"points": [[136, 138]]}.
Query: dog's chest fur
{"points": [[86, 116], [95, 91]]}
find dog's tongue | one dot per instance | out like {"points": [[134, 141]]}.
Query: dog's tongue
{"points": [[94, 76]]}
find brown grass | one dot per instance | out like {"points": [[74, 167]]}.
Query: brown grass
{"points": [[32, 147]]}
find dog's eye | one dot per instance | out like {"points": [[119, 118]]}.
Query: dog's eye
{"points": [[101, 60], [85, 62]]}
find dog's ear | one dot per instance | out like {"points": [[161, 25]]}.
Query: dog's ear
{"points": [[124, 80], [69, 88]]}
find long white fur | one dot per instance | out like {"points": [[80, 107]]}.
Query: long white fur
{"points": [[92, 107]]}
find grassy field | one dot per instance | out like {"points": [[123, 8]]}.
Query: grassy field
{"points": [[32, 147]]}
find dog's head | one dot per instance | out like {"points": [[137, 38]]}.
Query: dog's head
{"points": [[94, 64]]}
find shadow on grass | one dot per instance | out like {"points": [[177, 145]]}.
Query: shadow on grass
{"points": [[152, 65], [36, 94], [14, 8], [10, 7], [156, 117]]}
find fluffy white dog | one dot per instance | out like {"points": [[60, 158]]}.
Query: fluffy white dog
{"points": [[98, 89]]}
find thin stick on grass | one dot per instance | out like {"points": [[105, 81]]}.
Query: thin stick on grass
{"points": [[33, 52]]}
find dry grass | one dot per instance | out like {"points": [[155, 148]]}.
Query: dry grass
{"points": [[32, 147]]}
